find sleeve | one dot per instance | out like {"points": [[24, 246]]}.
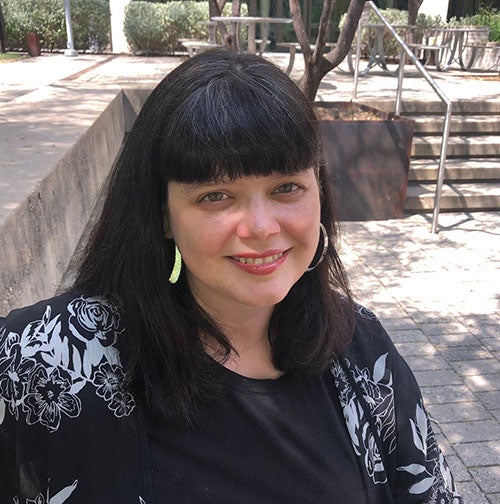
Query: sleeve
{"points": [[419, 471], [7, 424]]}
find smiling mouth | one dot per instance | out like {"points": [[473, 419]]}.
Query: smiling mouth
{"points": [[256, 261]]}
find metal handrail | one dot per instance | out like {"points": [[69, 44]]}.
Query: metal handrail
{"points": [[407, 52]]}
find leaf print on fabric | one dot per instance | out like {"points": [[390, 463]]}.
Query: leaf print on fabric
{"points": [[376, 388], [64, 494], [2, 411], [37, 335], [435, 476], [49, 398], [58, 498], [14, 376], [419, 430]]}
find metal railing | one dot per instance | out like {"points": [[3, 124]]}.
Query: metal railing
{"points": [[405, 51]]}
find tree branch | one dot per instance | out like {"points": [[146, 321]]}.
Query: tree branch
{"points": [[300, 31], [346, 35], [323, 30]]}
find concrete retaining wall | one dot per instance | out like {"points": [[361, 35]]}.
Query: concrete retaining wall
{"points": [[49, 184]]}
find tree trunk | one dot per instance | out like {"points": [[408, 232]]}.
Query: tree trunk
{"points": [[3, 48], [317, 64], [215, 9], [413, 6]]}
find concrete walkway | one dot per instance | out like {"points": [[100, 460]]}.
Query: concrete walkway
{"points": [[437, 295]]}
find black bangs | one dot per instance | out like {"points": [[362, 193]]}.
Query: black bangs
{"points": [[244, 120]]}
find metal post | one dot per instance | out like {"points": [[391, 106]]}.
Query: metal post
{"points": [[441, 169], [447, 103], [358, 56], [70, 51], [401, 73]]}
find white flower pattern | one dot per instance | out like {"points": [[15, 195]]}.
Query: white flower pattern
{"points": [[43, 368], [378, 394], [375, 405]]}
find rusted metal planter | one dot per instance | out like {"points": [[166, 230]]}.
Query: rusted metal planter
{"points": [[33, 44], [368, 159]]}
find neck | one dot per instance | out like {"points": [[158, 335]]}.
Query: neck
{"points": [[247, 331]]}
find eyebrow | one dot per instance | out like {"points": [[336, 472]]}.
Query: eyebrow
{"points": [[190, 187]]}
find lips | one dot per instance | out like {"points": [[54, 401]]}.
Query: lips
{"points": [[260, 264]]}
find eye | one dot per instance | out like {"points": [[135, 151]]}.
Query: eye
{"points": [[289, 187], [214, 197]]}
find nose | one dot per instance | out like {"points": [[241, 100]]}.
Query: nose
{"points": [[258, 221]]}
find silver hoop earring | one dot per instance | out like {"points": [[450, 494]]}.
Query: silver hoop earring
{"points": [[325, 248], [176, 270]]}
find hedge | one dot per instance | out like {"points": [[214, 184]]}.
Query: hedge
{"points": [[90, 23], [154, 28]]}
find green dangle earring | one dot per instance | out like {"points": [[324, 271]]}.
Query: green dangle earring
{"points": [[176, 270]]}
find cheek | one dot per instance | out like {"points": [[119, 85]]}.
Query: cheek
{"points": [[198, 239], [304, 223]]}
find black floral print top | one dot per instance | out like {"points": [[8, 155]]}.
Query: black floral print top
{"points": [[70, 431]]}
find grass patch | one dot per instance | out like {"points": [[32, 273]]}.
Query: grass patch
{"points": [[6, 57]]}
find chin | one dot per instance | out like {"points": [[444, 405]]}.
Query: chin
{"points": [[266, 300]]}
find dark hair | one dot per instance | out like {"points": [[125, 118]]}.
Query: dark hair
{"points": [[217, 114]]}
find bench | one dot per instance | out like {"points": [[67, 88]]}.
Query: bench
{"points": [[293, 47], [429, 53], [197, 46]]}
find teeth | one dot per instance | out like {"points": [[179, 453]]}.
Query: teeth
{"points": [[259, 260]]}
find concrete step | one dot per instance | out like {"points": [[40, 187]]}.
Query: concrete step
{"points": [[458, 146], [455, 197], [471, 106], [457, 169], [428, 124]]}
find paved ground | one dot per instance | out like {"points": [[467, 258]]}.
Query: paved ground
{"points": [[437, 295]]}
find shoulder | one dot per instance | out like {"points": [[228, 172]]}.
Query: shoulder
{"points": [[370, 339], [62, 348]]}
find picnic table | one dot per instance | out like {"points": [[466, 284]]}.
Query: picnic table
{"points": [[251, 21], [377, 50], [452, 45]]}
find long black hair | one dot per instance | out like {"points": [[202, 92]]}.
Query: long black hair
{"points": [[220, 113]]}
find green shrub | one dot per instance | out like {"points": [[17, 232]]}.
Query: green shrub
{"points": [[154, 28], [486, 16], [90, 22], [44, 18]]}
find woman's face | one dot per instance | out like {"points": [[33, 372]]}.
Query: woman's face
{"points": [[245, 242]]}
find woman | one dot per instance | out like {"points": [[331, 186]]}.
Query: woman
{"points": [[209, 350]]}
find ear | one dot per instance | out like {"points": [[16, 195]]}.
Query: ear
{"points": [[166, 227]]}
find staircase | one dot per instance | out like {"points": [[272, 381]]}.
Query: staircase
{"points": [[472, 175]]}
